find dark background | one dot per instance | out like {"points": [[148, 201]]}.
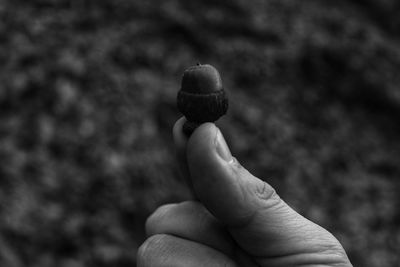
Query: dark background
{"points": [[87, 102]]}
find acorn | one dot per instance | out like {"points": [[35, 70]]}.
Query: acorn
{"points": [[202, 97]]}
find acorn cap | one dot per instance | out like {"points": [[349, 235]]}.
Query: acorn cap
{"points": [[202, 97]]}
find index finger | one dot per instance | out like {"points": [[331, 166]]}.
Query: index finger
{"points": [[180, 141]]}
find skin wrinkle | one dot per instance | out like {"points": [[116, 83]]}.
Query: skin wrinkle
{"points": [[303, 259], [327, 243], [345, 264], [266, 196], [316, 252], [266, 192]]}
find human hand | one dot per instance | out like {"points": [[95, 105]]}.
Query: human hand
{"points": [[238, 220]]}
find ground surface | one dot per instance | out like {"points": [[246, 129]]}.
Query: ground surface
{"points": [[87, 102]]}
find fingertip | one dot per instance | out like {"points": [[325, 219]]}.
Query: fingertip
{"points": [[179, 137], [156, 218], [180, 141]]}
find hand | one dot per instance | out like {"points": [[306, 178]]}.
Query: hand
{"points": [[238, 220]]}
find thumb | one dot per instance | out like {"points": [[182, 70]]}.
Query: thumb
{"points": [[257, 218]]}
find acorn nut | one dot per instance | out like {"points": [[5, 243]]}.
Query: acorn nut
{"points": [[201, 97]]}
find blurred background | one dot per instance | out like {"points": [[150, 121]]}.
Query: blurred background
{"points": [[87, 103]]}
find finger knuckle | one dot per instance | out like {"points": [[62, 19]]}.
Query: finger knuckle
{"points": [[193, 209], [151, 250], [167, 215], [334, 249], [189, 205], [158, 216], [326, 245], [267, 195]]}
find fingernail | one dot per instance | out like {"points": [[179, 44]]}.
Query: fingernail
{"points": [[222, 148]]}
